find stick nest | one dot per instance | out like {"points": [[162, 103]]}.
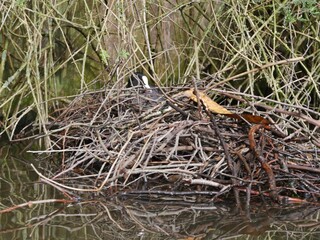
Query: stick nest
{"points": [[124, 142]]}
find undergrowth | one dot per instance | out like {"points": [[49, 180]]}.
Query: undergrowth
{"points": [[53, 50]]}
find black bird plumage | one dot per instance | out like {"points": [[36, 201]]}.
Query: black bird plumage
{"points": [[138, 79]]}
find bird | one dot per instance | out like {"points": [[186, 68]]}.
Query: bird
{"points": [[139, 80]]}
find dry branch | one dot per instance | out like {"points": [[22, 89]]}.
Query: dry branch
{"points": [[136, 143]]}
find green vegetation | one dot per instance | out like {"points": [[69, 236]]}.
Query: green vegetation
{"points": [[51, 50]]}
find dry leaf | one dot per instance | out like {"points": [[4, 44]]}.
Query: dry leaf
{"points": [[211, 105], [214, 107]]}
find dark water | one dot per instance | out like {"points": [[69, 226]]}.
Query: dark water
{"points": [[134, 218]]}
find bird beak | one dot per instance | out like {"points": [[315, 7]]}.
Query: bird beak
{"points": [[145, 81]]}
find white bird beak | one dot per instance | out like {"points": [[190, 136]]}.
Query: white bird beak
{"points": [[145, 81]]}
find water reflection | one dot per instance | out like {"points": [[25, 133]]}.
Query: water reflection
{"points": [[136, 217]]}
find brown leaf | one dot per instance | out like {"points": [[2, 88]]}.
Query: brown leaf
{"points": [[214, 107], [211, 105]]}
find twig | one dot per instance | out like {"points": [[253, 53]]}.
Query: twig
{"points": [[30, 203], [268, 65]]}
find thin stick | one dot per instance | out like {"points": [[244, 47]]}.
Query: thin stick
{"points": [[268, 65]]}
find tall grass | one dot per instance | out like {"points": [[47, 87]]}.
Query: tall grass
{"points": [[54, 49]]}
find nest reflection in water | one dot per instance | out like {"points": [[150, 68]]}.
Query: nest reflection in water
{"points": [[121, 141]]}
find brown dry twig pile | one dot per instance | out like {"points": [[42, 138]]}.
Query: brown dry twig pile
{"points": [[122, 142]]}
